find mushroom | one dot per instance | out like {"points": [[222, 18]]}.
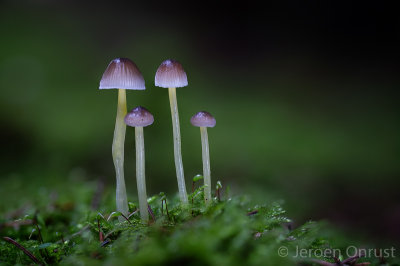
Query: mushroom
{"points": [[170, 74], [205, 120], [121, 74], [138, 118]]}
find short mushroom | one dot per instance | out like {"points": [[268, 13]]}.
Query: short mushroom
{"points": [[138, 118], [204, 120], [170, 74], [121, 74]]}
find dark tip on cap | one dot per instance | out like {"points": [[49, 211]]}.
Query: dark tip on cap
{"points": [[170, 74], [122, 73], [203, 119], [139, 117]]}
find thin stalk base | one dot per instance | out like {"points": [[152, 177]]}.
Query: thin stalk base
{"points": [[118, 155], [140, 174], [206, 165], [177, 146]]}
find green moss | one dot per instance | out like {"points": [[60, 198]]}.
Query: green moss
{"points": [[232, 231]]}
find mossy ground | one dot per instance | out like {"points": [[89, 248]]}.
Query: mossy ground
{"points": [[77, 225]]}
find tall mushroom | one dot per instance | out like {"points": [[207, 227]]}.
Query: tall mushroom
{"points": [[138, 118], [204, 120], [170, 74], [121, 74]]}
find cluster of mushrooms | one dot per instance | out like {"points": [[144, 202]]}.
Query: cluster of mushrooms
{"points": [[123, 74]]}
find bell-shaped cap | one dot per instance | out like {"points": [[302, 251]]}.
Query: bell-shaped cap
{"points": [[122, 73], [203, 119], [170, 74], [139, 117]]}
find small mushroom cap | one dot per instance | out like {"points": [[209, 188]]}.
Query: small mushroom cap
{"points": [[139, 117], [203, 119], [170, 74], [122, 73]]}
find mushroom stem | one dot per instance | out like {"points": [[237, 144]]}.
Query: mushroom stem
{"points": [[118, 154], [177, 146], [206, 164], [140, 173]]}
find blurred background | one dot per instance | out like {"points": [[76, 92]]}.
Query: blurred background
{"points": [[305, 97]]}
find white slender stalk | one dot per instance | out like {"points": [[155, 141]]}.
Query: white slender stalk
{"points": [[140, 174], [118, 154], [177, 146], [206, 164]]}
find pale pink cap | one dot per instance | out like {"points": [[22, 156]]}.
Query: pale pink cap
{"points": [[122, 73], [170, 74], [203, 119], [139, 117]]}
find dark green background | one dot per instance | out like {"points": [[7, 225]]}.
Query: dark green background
{"points": [[305, 98]]}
